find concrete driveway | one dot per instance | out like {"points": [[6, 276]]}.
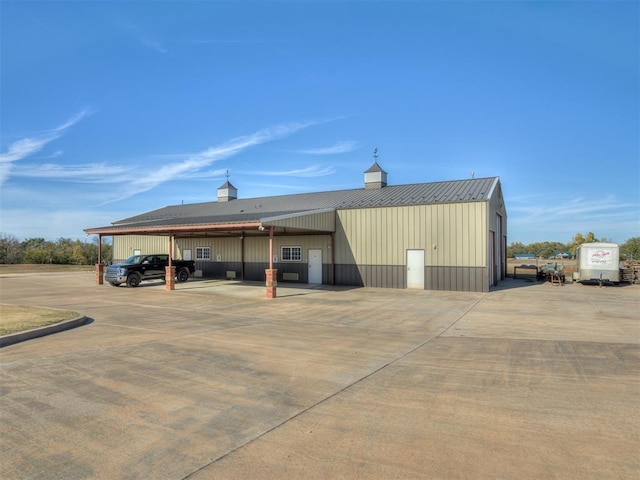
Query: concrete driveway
{"points": [[214, 381]]}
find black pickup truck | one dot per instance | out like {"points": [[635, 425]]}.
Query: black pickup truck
{"points": [[147, 267]]}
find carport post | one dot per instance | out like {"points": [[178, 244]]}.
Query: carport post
{"points": [[170, 270], [271, 274], [99, 264]]}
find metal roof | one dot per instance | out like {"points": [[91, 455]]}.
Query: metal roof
{"points": [[254, 209], [374, 168]]}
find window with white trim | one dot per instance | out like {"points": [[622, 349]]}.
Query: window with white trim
{"points": [[203, 253], [291, 254]]}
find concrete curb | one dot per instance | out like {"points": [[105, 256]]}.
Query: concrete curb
{"points": [[14, 338]]}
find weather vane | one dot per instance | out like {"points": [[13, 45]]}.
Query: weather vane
{"points": [[375, 154], [227, 174]]}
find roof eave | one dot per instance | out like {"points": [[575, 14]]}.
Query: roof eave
{"points": [[168, 230], [266, 220]]}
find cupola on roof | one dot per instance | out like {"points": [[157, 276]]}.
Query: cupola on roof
{"points": [[375, 176], [227, 192]]}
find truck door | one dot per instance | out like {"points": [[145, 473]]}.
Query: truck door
{"points": [[146, 266], [159, 264], [150, 267]]}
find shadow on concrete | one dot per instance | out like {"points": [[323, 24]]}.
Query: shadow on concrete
{"points": [[511, 283]]}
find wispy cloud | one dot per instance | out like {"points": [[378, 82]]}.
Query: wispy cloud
{"points": [[29, 146], [145, 39], [535, 207], [56, 154], [340, 147], [229, 42], [204, 174], [309, 172], [88, 173], [25, 147], [195, 162], [562, 218], [152, 44]]}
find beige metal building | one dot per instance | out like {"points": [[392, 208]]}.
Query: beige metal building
{"points": [[439, 236]]}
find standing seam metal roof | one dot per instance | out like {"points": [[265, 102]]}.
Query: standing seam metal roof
{"points": [[253, 209]]}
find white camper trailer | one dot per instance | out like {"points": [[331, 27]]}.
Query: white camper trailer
{"points": [[599, 262]]}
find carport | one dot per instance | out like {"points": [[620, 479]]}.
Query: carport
{"points": [[316, 222]]}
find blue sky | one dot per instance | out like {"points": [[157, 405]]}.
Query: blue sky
{"points": [[110, 109]]}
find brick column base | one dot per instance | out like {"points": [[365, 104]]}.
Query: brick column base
{"points": [[99, 273], [170, 278], [272, 282]]}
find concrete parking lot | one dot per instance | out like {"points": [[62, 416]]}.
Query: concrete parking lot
{"points": [[214, 381]]}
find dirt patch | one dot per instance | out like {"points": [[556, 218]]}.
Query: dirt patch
{"points": [[19, 318], [43, 268]]}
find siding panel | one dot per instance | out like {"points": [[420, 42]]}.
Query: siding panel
{"points": [[124, 245], [465, 279], [380, 236]]}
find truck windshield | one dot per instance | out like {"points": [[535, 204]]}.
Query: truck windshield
{"points": [[135, 259]]}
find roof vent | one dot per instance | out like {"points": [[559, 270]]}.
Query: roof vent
{"points": [[227, 192]]}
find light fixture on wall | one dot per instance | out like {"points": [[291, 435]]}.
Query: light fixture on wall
{"points": [[261, 228]]}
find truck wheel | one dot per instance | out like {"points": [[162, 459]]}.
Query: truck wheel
{"points": [[183, 275], [114, 284], [133, 280]]}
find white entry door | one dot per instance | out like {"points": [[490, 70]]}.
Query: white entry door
{"points": [[314, 265], [415, 269]]}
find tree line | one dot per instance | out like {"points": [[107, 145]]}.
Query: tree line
{"points": [[628, 250], [63, 251]]}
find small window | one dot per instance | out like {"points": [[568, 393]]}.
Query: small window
{"points": [[203, 253], [291, 254]]}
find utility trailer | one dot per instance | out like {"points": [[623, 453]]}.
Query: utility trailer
{"points": [[598, 263]]}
